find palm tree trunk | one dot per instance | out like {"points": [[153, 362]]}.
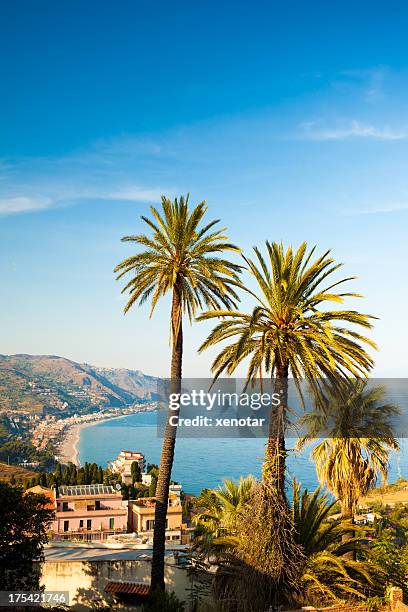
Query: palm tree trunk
{"points": [[275, 463], [169, 442], [347, 515]]}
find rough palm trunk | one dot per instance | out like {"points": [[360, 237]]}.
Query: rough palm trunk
{"points": [[271, 545], [169, 442], [275, 461], [347, 515]]}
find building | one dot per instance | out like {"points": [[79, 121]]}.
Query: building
{"points": [[176, 489], [369, 518], [89, 513], [123, 464], [146, 479], [104, 578], [48, 493], [141, 518]]}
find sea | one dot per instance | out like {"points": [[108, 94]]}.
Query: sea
{"points": [[203, 462]]}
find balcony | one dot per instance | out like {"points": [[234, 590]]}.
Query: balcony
{"points": [[85, 513], [85, 535]]}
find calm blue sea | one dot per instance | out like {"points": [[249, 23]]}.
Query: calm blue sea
{"points": [[200, 463]]}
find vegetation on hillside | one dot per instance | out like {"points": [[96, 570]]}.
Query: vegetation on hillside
{"points": [[15, 473]]}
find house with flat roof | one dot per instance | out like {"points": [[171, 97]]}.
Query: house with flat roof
{"points": [[89, 513], [141, 518]]}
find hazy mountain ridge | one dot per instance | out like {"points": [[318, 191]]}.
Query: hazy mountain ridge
{"points": [[38, 383]]}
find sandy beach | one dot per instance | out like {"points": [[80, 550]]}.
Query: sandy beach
{"points": [[68, 449]]}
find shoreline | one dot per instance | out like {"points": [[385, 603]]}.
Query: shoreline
{"points": [[68, 448]]}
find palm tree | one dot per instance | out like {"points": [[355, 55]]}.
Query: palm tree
{"points": [[221, 512], [356, 422], [179, 256], [290, 331], [327, 574]]}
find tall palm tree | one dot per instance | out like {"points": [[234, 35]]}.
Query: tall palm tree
{"points": [[355, 423], [290, 331], [180, 256]]}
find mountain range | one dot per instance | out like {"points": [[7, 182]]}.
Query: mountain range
{"points": [[53, 384]]}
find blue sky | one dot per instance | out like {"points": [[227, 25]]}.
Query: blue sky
{"points": [[290, 119]]}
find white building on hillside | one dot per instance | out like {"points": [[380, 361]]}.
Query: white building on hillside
{"points": [[122, 465]]}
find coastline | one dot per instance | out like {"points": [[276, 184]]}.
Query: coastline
{"points": [[68, 448]]}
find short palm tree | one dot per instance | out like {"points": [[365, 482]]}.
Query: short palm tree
{"points": [[181, 256], [220, 514], [355, 423], [291, 331], [327, 575]]}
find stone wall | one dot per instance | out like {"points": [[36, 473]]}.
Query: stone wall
{"points": [[86, 580]]}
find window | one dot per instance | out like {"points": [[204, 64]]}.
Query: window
{"points": [[175, 538], [81, 523], [89, 524], [97, 505], [66, 525], [64, 506], [149, 524], [111, 523]]}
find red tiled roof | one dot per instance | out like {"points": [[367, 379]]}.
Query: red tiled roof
{"points": [[131, 588]]}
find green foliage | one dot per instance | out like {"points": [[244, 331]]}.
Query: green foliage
{"points": [[328, 574], [70, 474], [4, 429], [134, 491], [23, 533], [324, 574], [163, 601], [310, 513], [152, 487], [135, 472], [220, 512], [152, 468], [389, 560], [16, 451]]}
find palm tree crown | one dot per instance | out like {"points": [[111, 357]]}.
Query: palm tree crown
{"points": [[355, 423], [180, 253], [290, 327]]}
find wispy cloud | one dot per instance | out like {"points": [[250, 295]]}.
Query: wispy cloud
{"points": [[381, 209], [28, 203], [371, 82], [103, 173], [317, 130], [20, 204]]}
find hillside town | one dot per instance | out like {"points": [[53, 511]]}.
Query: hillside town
{"points": [[93, 523]]}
